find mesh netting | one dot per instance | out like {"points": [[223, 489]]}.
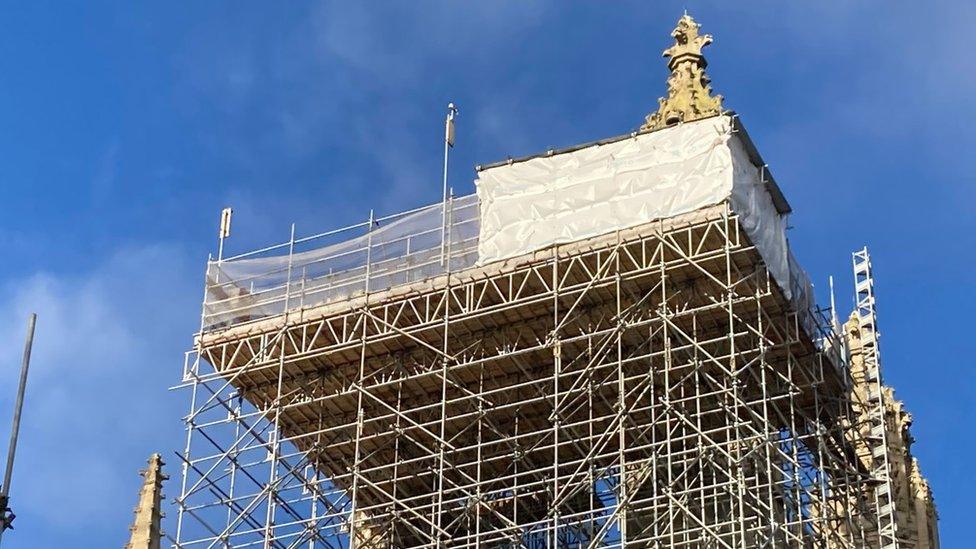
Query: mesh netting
{"points": [[338, 265]]}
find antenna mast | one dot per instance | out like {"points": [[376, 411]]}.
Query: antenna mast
{"points": [[6, 515], [452, 113]]}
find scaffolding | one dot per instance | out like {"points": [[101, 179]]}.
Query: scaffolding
{"points": [[651, 387], [873, 410], [608, 346]]}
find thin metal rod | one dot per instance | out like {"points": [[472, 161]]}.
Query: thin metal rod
{"points": [[448, 143], [833, 306], [225, 217], [15, 427]]}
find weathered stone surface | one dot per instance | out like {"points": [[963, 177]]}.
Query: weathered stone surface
{"points": [[145, 532], [915, 514], [689, 93]]}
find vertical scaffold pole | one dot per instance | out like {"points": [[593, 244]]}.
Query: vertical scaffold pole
{"points": [[360, 389], [275, 438], [445, 352]]}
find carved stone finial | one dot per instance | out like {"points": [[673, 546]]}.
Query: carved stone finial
{"points": [[689, 94]]}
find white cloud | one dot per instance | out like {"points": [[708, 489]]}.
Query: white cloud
{"points": [[107, 346]]}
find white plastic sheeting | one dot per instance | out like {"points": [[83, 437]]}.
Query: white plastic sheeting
{"points": [[529, 205], [757, 214], [519, 208]]}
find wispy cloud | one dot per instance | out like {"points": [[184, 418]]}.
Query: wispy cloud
{"points": [[106, 348], [349, 81]]}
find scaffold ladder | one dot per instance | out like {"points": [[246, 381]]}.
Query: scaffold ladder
{"points": [[884, 496]]}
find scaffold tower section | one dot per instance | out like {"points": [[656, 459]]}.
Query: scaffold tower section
{"points": [[648, 387], [878, 425]]}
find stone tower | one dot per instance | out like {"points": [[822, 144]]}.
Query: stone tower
{"points": [[145, 532], [915, 512]]}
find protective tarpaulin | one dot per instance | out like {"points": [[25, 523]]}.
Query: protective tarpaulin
{"points": [[519, 208], [533, 204]]}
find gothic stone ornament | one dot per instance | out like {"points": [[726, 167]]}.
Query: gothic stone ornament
{"points": [[689, 94]]}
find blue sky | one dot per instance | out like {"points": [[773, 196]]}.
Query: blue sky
{"points": [[127, 128]]}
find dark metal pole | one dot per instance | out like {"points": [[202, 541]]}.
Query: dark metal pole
{"points": [[6, 517]]}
